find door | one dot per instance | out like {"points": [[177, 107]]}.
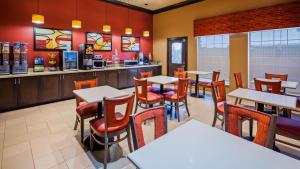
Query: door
{"points": [[177, 54], [28, 91], [8, 93]]}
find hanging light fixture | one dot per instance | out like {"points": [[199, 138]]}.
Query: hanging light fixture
{"points": [[76, 23], [146, 33], [106, 27], [37, 18], [128, 30]]}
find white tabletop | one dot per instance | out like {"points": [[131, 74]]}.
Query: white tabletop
{"points": [[196, 72], [96, 94], [195, 145], [162, 79], [265, 98], [284, 84]]}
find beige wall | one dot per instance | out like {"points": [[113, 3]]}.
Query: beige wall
{"points": [[179, 22]]}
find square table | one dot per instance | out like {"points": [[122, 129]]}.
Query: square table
{"points": [[284, 84], [162, 80], [197, 145], [197, 73]]}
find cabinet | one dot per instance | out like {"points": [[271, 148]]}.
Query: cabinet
{"points": [[50, 89], [101, 81], [112, 77], [8, 93], [131, 74], [28, 90], [123, 78]]}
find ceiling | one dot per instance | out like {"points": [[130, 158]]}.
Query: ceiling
{"points": [[152, 4]]}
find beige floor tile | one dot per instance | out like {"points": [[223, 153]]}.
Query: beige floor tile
{"points": [[22, 160], [71, 151], [81, 161], [15, 149], [48, 160], [60, 166], [41, 147], [13, 139]]}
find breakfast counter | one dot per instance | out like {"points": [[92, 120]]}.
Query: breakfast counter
{"points": [[34, 88]]}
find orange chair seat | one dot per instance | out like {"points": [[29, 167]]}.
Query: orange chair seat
{"points": [[205, 84], [288, 125], [99, 124], [85, 109], [151, 98], [220, 108], [171, 95]]}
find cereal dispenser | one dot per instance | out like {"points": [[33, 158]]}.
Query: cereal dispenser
{"points": [[4, 58]]}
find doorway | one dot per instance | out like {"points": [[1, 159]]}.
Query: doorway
{"points": [[177, 54]]}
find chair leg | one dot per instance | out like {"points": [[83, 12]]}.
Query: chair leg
{"points": [[240, 101], [105, 153], [222, 122], [203, 91], [187, 108], [76, 123], [129, 139], [215, 119], [91, 140], [136, 107], [177, 111], [82, 129], [236, 101], [251, 128]]}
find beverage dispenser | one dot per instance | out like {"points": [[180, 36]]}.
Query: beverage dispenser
{"points": [[20, 64], [4, 58], [86, 55]]}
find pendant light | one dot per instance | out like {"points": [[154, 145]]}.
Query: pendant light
{"points": [[128, 30], [37, 18], [76, 23], [146, 33], [106, 27]]}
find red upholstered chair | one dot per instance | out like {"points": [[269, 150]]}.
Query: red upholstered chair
{"points": [[215, 78], [178, 96], [150, 87], [238, 84], [265, 124], [177, 74], [159, 115], [114, 124], [180, 69], [289, 128], [144, 97], [281, 77], [219, 98], [83, 109]]}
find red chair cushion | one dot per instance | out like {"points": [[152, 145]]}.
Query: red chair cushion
{"points": [[288, 125], [205, 84], [87, 109], [220, 108], [152, 98], [99, 124], [171, 95]]}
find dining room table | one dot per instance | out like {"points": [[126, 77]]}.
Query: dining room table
{"points": [[195, 145], [197, 73], [162, 81], [96, 95], [284, 84]]}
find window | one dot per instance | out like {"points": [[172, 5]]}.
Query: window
{"points": [[177, 53], [275, 51], [213, 54]]}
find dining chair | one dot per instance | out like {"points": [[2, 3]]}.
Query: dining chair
{"points": [[281, 77], [114, 124], [180, 69], [265, 123], [178, 96], [144, 97], [177, 74], [288, 127], [83, 109], [263, 86], [158, 114], [219, 97], [215, 78], [238, 84], [146, 74]]}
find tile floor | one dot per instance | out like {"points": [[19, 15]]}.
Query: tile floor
{"points": [[42, 137]]}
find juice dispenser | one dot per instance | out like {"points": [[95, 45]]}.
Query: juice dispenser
{"points": [[86, 55], [4, 58], [20, 64]]}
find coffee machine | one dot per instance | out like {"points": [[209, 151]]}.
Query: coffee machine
{"points": [[4, 58], [19, 64], [86, 55]]}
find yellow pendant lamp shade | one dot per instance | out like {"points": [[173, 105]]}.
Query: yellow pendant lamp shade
{"points": [[128, 31], [76, 24], [106, 28], [38, 19], [146, 33]]}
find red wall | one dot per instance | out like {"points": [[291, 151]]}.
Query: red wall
{"points": [[15, 22]]}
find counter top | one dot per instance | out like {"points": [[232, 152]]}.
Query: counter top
{"points": [[31, 73]]}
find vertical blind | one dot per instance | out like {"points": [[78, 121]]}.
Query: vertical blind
{"points": [[275, 51], [213, 54]]}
